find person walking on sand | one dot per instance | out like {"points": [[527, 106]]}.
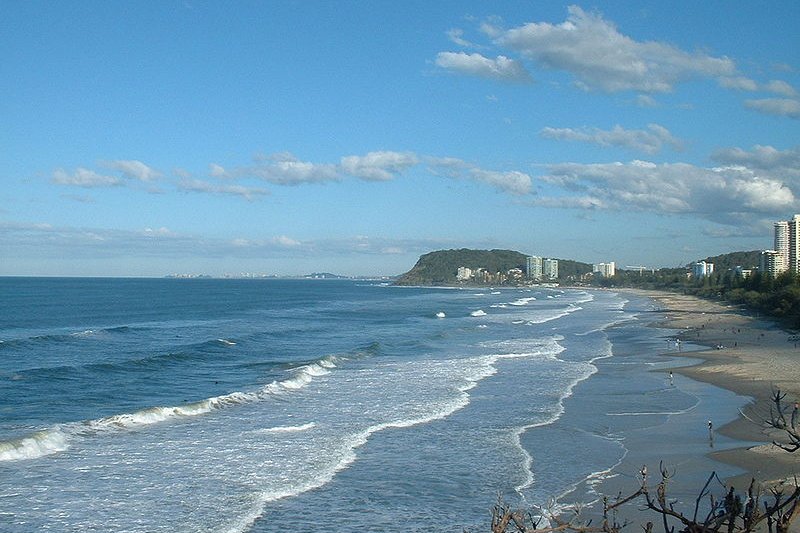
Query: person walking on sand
{"points": [[672, 381]]}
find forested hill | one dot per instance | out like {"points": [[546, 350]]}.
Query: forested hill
{"points": [[441, 267], [732, 260]]}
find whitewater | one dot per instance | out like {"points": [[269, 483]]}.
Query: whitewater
{"points": [[246, 405]]}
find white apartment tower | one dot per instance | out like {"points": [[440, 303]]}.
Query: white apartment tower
{"points": [[533, 268], [771, 263], [702, 269], [794, 244], [550, 269], [606, 270], [782, 245]]}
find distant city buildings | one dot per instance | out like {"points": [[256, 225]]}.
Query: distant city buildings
{"points": [[702, 269], [605, 270], [464, 274]]}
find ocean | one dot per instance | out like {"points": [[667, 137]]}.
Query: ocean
{"points": [[200, 405]]}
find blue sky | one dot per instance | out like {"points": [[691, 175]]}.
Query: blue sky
{"points": [[148, 138]]}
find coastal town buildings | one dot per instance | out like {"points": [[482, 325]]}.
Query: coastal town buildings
{"points": [[464, 274], [702, 269], [606, 270]]}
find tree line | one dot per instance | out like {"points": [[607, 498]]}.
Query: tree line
{"points": [[777, 297]]}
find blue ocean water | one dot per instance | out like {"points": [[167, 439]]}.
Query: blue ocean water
{"points": [[272, 405]]}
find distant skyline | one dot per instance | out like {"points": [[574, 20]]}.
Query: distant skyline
{"points": [[288, 137]]}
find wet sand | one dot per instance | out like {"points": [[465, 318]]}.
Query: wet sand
{"points": [[748, 355]]}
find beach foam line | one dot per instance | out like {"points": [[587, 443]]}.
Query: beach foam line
{"points": [[58, 438]]}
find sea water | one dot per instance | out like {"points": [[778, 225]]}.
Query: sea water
{"points": [[172, 405]]}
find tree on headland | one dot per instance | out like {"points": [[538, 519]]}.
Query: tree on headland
{"points": [[718, 508]]}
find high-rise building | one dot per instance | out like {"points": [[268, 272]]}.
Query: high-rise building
{"points": [[702, 269], [782, 244], [464, 274], [533, 268], [606, 270], [550, 269], [794, 244], [771, 263]]}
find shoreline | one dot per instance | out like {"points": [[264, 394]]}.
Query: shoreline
{"points": [[746, 355]]}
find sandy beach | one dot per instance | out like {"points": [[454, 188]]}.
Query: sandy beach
{"points": [[748, 355]]}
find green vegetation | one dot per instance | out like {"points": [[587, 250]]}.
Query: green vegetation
{"points": [[441, 267]]}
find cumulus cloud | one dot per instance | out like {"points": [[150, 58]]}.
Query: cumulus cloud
{"points": [[378, 166], [83, 177], [731, 194], [283, 169], [601, 58], [650, 141], [746, 84], [195, 185], [133, 169], [499, 68], [513, 182], [785, 107], [765, 160]]}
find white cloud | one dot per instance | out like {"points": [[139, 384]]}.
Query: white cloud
{"points": [[785, 107], [285, 169], [513, 181], [766, 160], [217, 171], [739, 83], [83, 177], [499, 68], [378, 166], [733, 194], [649, 141], [283, 240], [456, 35], [645, 100], [781, 87], [746, 84], [194, 185], [133, 169], [593, 50]]}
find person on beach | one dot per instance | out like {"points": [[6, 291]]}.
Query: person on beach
{"points": [[672, 382], [711, 433]]}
